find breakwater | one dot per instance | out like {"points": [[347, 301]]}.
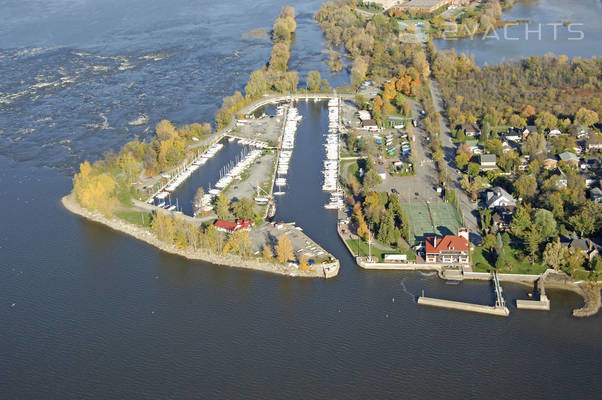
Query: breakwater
{"points": [[327, 270], [458, 305]]}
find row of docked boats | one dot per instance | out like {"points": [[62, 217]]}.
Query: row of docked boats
{"points": [[227, 177], [288, 143], [184, 173], [331, 163], [163, 200], [255, 143]]}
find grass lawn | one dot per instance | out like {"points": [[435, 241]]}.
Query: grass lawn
{"points": [[481, 262], [363, 246], [136, 217]]}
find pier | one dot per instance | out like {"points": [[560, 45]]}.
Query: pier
{"points": [[543, 304], [458, 305], [499, 309]]}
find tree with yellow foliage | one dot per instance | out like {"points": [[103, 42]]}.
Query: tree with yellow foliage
{"points": [[165, 130], [267, 253], [284, 249], [303, 263], [239, 243], [164, 227], [95, 191]]}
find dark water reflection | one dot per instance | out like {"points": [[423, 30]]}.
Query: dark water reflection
{"points": [[499, 46], [90, 313]]}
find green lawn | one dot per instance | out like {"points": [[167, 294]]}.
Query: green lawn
{"points": [[481, 262], [364, 252], [136, 217]]}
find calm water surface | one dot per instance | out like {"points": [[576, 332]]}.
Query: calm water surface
{"points": [[537, 37], [90, 313]]}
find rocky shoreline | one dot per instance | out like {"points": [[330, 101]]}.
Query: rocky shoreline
{"points": [[147, 236]]}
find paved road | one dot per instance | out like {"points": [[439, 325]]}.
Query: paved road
{"points": [[449, 154]]}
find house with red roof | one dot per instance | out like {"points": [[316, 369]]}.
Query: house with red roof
{"points": [[230, 227], [450, 249]]}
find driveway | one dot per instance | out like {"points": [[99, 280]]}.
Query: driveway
{"points": [[449, 154]]}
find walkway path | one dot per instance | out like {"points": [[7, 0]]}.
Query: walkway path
{"points": [[449, 154]]}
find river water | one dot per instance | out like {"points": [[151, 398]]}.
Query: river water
{"points": [[90, 313], [539, 36]]}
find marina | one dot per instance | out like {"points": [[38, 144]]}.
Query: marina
{"points": [[288, 144], [331, 163]]}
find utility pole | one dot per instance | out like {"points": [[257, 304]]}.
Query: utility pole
{"points": [[369, 245]]}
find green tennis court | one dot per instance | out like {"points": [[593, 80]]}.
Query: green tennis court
{"points": [[427, 219]]}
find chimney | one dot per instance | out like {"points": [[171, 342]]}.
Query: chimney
{"points": [[435, 242]]}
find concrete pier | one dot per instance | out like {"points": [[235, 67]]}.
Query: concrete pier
{"points": [[543, 304], [458, 305]]}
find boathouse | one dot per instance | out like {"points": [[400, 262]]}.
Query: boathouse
{"points": [[230, 227]]}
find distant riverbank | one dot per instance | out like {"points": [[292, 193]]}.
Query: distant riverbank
{"points": [[146, 235]]}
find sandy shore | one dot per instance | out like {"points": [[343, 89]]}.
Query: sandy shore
{"points": [[148, 236]]}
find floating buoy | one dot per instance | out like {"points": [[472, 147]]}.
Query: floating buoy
{"points": [[387, 315]]}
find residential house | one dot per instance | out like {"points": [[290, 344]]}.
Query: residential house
{"points": [[450, 249], [513, 135], [364, 115], [560, 179], [474, 148], [471, 130], [230, 227], [498, 197], [488, 162], [590, 180], [503, 217], [370, 125], [554, 132], [581, 132], [587, 246], [594, 142], [596, 195], [569, 158], [523, 164], [550, 162], [527, 130]]}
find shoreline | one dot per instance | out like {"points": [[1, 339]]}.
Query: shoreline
{"points": [[147, 236], [589, 292]]}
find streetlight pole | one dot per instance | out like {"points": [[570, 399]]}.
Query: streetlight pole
{"points": [[369, 245]]}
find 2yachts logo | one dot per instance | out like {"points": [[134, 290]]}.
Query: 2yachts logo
{"points": [[452, 32]]}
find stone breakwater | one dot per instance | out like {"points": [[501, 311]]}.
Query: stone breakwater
{"points": [[148, 236]]}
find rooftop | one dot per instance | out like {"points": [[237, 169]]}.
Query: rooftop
{"points": [[488, 158], [447, 243]]}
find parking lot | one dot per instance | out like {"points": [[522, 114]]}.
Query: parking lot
{"points": [[302, 244], [422, 186]]}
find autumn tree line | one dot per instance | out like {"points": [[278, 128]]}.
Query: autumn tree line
{"points": [[378, 215], [373, 44], [109, 182], [549, 91], [273, 77], [174, 230]]}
